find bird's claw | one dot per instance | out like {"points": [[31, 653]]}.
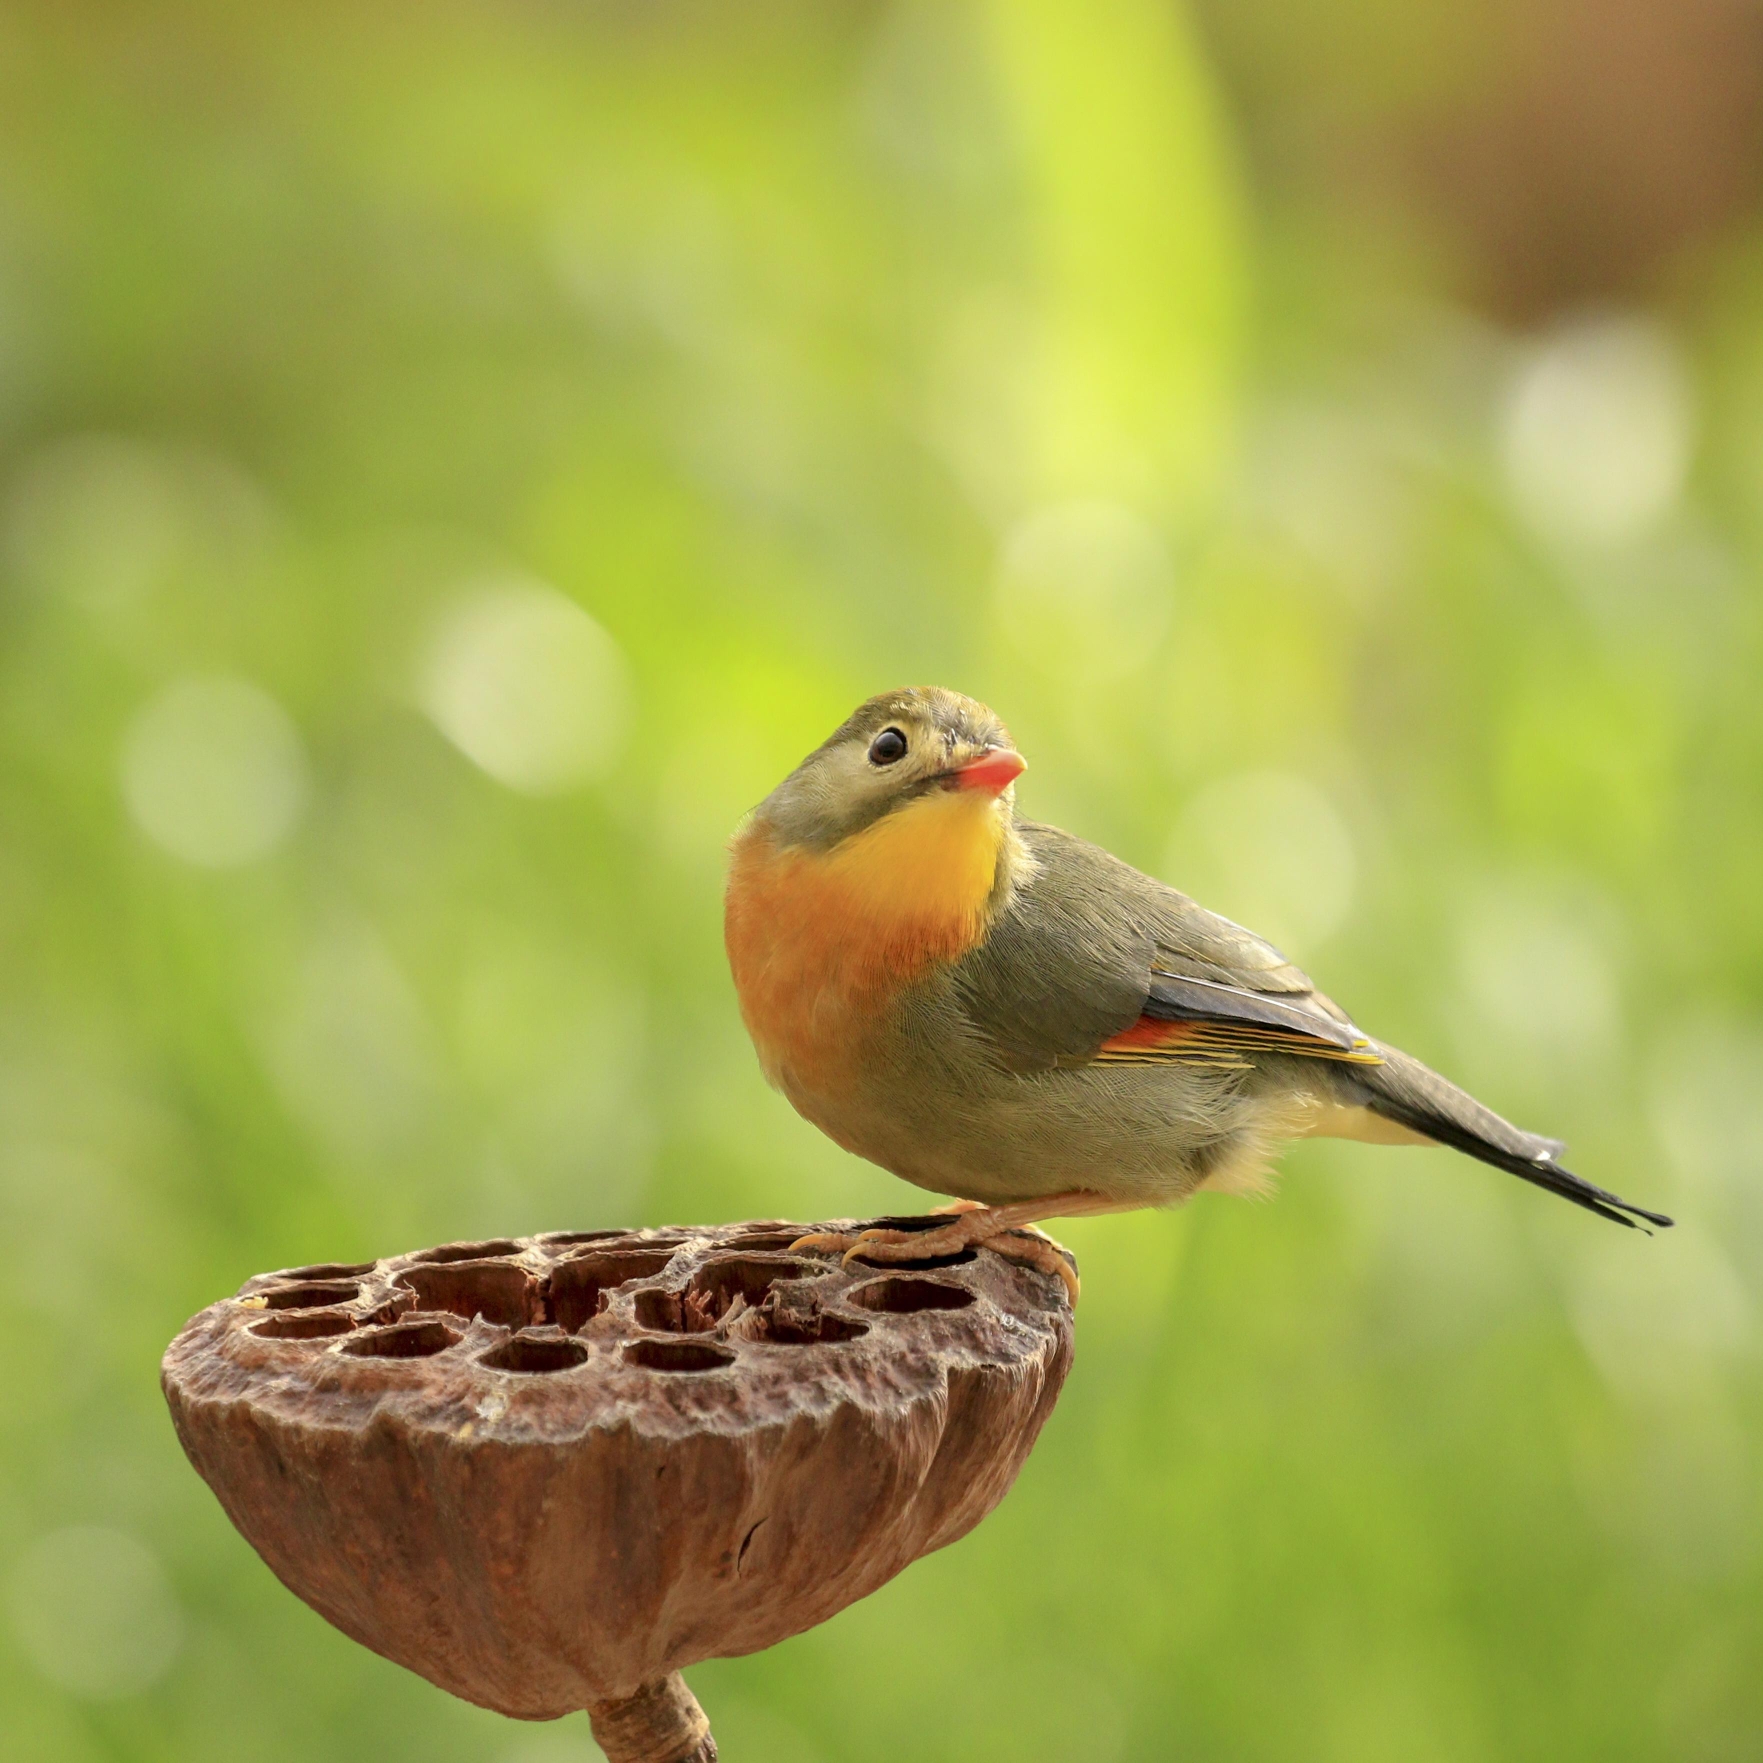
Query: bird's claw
{"points": [[826, 1242], [1019, 1243], [875, 1235], [845, 1245]]}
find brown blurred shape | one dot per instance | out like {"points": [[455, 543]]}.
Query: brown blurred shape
{"points": [[1570, 151]]}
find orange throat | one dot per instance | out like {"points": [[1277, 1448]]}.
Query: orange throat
{"points": [[820, 941]]}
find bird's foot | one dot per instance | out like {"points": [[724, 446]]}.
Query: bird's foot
{"points": [[973, 1227]]}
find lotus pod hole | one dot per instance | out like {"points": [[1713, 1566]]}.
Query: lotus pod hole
{"points": [[678, 1356], [404, 1340], [902, 1297], [304, 1296], [302, 1325], [578, 1285], [498, 1291], [330, 1270], [536, 1353], [550, 1473], [465, 1252]]}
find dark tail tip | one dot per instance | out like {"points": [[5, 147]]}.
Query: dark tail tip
{"points": [[1657, 1218], [1545, 1172]]}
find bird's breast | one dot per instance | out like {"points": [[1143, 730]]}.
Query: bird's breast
{"points": [[821, 943]]}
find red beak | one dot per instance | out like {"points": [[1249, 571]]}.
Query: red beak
{"points": [[996, 769]]}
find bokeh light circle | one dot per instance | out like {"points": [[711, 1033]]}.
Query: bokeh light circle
{"points": [[1089, 582], [213, 771], [526, 685], [1597, 432], [1270, 851], [93, 1611]]}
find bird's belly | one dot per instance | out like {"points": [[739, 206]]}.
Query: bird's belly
{"points": [[1140, 1136]]}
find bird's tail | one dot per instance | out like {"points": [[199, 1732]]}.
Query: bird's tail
{"points": [[1403, 1090]]}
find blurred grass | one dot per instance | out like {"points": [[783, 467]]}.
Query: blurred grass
{"points": [[809, 349]]}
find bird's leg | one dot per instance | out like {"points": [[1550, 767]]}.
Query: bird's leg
{"points": [[1006, 1230], [1028, 1245]]}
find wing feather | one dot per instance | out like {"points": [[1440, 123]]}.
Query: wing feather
{"points": [[1089, 953], [1091, 962]]}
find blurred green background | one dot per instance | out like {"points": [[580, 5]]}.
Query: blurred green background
{"points": [[454, 458]]}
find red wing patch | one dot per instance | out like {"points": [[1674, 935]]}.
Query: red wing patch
{"points": [[1149, 1033], [1225, 1046]]}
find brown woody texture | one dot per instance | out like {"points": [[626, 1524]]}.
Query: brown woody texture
{"points": [[548, 1473]]}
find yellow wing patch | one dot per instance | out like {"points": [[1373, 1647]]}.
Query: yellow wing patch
{"points": [[1223, 1046]]}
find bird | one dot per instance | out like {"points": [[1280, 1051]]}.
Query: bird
{"points": [[998, 1011]]}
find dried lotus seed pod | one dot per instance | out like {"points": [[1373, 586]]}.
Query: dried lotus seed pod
{"points": [[548, 1474]]}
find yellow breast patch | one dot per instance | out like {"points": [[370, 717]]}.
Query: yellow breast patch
{"points": [[930, 863], [817, 940]]}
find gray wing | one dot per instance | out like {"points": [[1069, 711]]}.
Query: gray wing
{"points": [[1089, 948], [1093, 962]]}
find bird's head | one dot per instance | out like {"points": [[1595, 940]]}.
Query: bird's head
{"points": [[919, 748]]}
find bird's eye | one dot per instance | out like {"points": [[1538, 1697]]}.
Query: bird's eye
{"points": [[888, 746]]}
